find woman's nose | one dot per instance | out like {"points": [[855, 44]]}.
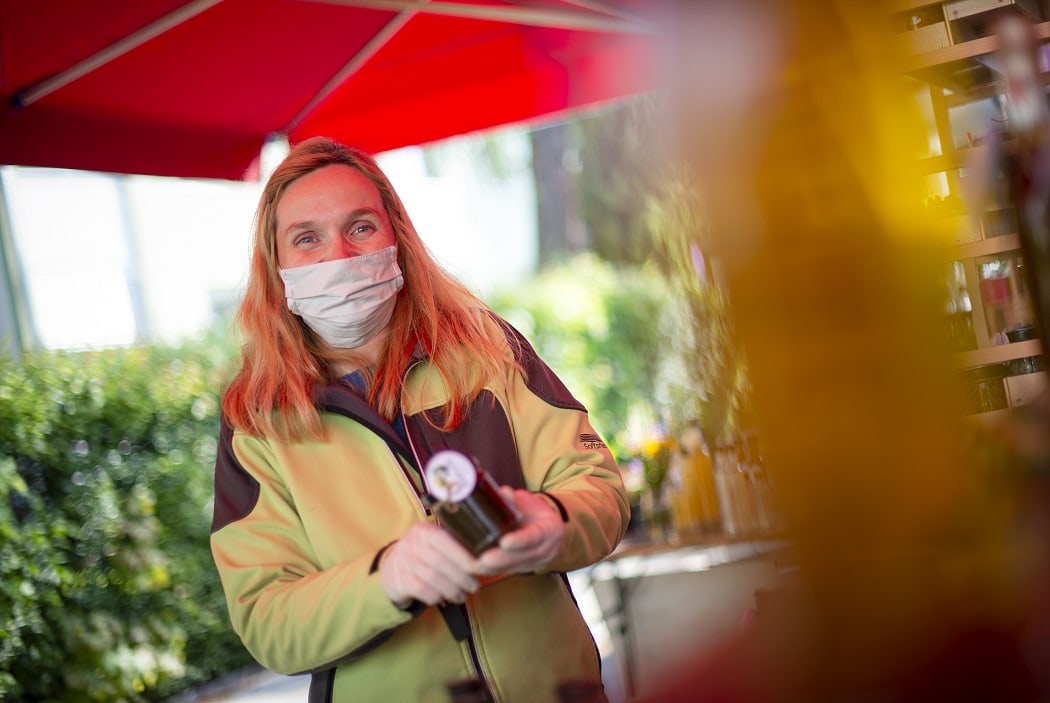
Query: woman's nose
{"points": [[340, 247]]}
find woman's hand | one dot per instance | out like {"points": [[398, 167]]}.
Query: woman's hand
{"points": [[427, 564], [533, 544]]}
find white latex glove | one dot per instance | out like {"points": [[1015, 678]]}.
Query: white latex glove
{"points": [[427, 564], [531, 546]]}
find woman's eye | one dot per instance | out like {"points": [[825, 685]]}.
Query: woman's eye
{"points": [[305, 239], [362, 228]]}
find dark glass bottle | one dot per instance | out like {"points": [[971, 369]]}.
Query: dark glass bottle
{"points": [[468, 502]]}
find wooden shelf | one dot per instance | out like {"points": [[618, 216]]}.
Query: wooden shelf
{"points": [[984, 92], [954, 66], [959, 72], [984, 247], [997, 354], [955, 53], [990, 417], [965, 51]]}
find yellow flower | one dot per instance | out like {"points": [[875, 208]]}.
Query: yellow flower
{"points": [[651, 448], [656, 457]]}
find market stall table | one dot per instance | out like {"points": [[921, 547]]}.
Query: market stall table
{"points": [[652, 603]]}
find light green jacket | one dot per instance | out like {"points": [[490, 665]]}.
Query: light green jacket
{"points": [[298, 528]]}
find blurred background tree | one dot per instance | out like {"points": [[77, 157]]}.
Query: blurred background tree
{"points": [[594, 174]]}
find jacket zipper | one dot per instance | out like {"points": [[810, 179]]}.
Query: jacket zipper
{"points": [[472, 646]]}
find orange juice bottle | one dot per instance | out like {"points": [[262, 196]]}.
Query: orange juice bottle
{"points": [[698, 484]]}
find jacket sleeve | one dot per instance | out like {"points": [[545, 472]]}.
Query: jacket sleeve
{"points": [[563, 456], [292, 615]]}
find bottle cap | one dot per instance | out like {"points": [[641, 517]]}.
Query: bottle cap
{"points": [[451, 477]]}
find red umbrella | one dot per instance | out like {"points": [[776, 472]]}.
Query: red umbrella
{"points": [[169, 87]]}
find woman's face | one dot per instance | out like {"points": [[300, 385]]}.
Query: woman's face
{"points": [[332, 213]]}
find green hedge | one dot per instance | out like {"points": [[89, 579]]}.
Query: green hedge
{"points": [[107, 587]]}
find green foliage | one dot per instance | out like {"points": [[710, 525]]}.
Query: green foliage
{"points": [[108, 588], [598, 326], [32, 564]]}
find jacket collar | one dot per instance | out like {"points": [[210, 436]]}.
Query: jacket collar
{"points": [[339, 399]]}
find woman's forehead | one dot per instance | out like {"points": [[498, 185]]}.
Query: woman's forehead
{"points": [[327, 189]]}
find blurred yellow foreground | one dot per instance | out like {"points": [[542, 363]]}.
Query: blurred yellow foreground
{"points": [[921, 540]]}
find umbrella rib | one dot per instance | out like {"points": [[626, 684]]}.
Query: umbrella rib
{"points": [[536, 16], [604, 8], [45, 87], [353, 66]]}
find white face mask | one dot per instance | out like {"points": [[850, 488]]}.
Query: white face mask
{"points": [[347, 302]]}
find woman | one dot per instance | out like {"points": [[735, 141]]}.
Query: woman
{"points": [[361, 359]]}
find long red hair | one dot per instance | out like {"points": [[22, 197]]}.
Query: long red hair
{"points": [[282, 359]]}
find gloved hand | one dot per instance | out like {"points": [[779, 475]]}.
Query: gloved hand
{"points": [[427, 564], [533, 544]]}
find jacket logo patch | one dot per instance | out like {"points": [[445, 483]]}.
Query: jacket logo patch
{"points": [[591, 441]]}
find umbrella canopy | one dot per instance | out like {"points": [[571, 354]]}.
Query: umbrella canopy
{"points": [[177, 88]]}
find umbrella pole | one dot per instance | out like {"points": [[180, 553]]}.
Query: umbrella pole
{"points": [[16, 332]]}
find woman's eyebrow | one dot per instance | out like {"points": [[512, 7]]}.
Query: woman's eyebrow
{"points": [[294, 228], [359, 212]]}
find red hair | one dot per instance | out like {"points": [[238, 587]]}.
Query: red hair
{"points": [[282, 359]]}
